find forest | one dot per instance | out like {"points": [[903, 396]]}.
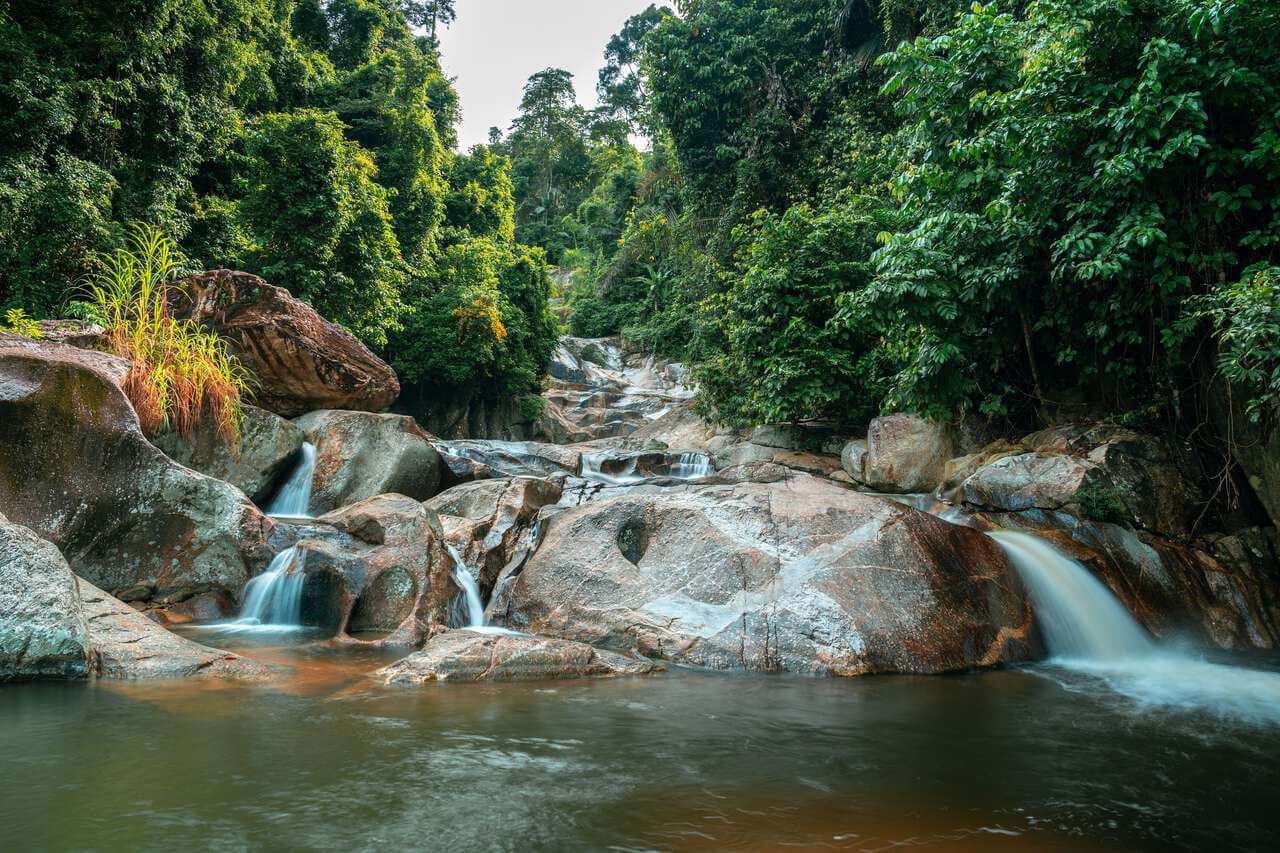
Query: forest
{"points": [[1019, 210]]}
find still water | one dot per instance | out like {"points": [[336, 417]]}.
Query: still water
{"points": [[1041, 758]]}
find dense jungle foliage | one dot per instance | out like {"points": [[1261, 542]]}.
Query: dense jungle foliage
{"points": [[833, 207], [1016, 208], [309, 142]]}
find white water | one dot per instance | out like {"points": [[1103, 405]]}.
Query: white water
{"points": [[1087, 630], [691, 466], [688, 466], [294, 499], [273, 599], [471, 595]]}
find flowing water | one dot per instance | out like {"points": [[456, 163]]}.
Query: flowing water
{"points": [[294, 498], [323, 759], [471, 596], [1089, 633]]}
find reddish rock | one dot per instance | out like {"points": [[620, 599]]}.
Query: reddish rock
{"points": [[301, 361]]}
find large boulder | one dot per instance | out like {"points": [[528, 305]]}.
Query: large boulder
{"points": [[301, 361], [516, 458], [266, 453], [42, 627], [376, 571], [360, 455], [76, 468], [798, 575], [473, 656], [128, 645], [906, 453]]}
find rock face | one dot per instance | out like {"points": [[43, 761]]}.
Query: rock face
{"points": [[1099, 472], [906, 453], [360, 455], [75, 468], [597, 390], [302, 362], [269, 444], [471, 656], [42, 627], [128, 645], [853, 459], [798, 575], [375, 571], [487, 521]]}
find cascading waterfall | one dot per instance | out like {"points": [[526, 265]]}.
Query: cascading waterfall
{"points": [[471, 596], [294, 499], [273, 599], [691, 466], [1088, 630]]}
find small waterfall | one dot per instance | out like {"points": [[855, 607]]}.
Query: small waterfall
{"points": [[1078, 615], [294, 499], [471, 595], [273, 599], [1089, 631], [691, 466]]}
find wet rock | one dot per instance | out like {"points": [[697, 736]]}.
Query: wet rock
{"points": [[799, 575], [75, 467], [266, 453], [488, 521], [301, 361], [907, 453], [360, 455], [42, 627], [516, 458], [128, 645], [377, 568], [471, 656]]}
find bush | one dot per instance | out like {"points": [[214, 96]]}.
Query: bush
{"points": [[178, 372]]}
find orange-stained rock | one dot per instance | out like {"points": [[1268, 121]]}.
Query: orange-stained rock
{"points": [[300, 360]]}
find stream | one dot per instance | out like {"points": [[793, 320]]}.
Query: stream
{"points": [[1034, 758]]}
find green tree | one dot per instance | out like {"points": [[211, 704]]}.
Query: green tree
{"points": [[320, 222]]}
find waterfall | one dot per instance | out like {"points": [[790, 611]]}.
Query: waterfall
{"points": [[294, 499], [1088, 631], [691, 466], [471, 595], [273, 599], [1079, 617]]}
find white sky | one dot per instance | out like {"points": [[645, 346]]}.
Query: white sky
{"points": [[495, 45]]}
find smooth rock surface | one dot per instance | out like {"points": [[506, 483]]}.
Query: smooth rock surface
{"points": [[799, 575], [76, 468], [42, 627], [907, 453], [470, 656], [301, 361], [360, 455]]}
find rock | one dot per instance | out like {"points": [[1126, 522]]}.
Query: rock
{"points": [[1028, 481], [301, 361], [471, 656], [266, 454], [360, 455], [487, 521], [76, 333], [374, 569], [907, 453], [799, 575], [128, 645], [808, 463], [853, 459], [778, 436], [42, 627], [742, 454], [516, 458], [76, 469]]}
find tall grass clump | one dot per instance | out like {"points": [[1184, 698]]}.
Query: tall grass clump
{"points": [[179, 372]]}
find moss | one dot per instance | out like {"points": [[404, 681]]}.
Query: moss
{"points": [[1102, 501]]}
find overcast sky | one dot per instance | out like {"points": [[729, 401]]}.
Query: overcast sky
{"points": [[495, 45]]}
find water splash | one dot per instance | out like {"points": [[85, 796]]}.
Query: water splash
{"points": [[1089, 632], [273, 599], [294, 499]]}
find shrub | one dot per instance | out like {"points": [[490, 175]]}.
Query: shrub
{"points": [[17, 322], [178, 371]]}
